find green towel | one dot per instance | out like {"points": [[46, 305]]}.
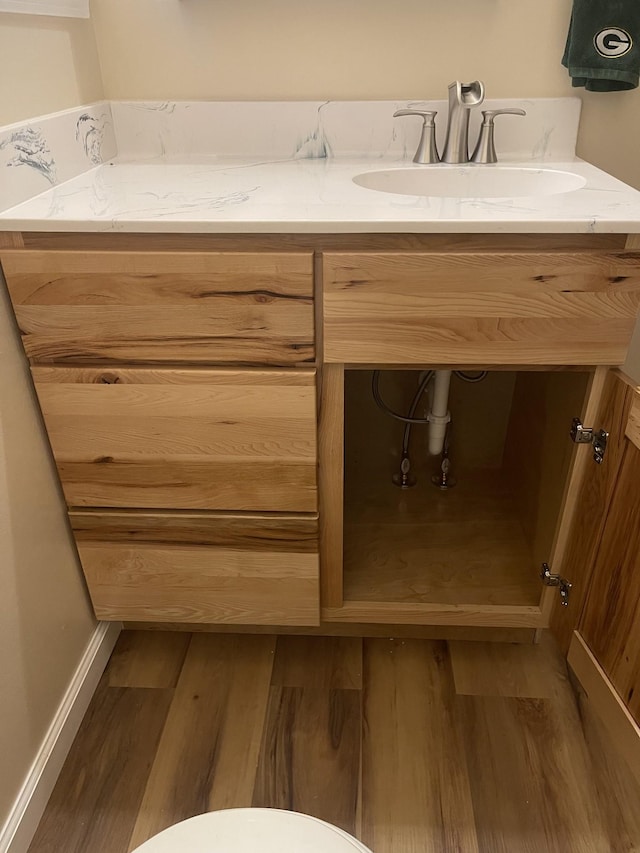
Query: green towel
{"points": [[603, 45]]}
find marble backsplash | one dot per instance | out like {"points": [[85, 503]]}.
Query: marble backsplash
{"points": [[49, 150], [311, 130]]}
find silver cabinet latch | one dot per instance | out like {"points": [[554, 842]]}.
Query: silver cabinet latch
{"points": [[549, 579], [581, 434]]}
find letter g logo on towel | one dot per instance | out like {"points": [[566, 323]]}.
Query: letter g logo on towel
{"points": [[613, 42]]}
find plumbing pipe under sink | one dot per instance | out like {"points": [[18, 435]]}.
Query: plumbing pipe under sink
{"points": [[439, 415]]}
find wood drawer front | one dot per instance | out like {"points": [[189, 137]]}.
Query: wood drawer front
{"points": [[232, 307], [188, 567], [182, 439], [479, 307]]}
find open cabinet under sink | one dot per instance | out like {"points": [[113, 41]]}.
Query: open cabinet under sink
{"points": [[470, 553]]}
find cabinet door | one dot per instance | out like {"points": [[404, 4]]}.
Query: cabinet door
{"points": [[610, 623], [585, 510], [182, 439], [605, 649]]}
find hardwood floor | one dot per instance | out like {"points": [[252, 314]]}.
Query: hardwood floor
{"points": [[414, 746]]}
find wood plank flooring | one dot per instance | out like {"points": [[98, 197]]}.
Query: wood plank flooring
{"points": [[414, 746]]}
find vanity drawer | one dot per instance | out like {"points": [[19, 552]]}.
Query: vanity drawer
{"points": [[154, 307], [182, 439], [479, 307], [198, 567]]}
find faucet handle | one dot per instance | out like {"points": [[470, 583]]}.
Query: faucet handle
{"points": [[485, 150], [427, 151]]}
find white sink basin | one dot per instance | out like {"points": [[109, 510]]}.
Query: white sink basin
{"points": [[471, 181]]}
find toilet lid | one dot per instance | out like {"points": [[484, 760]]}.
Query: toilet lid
{"points": [[252, 831]]}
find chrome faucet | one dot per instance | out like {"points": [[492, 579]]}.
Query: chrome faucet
{"points": [[463, 97]]}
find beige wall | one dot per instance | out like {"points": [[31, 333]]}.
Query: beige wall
{"points": [[610, 133], [340, 49], [45, 619], [48, 64]]}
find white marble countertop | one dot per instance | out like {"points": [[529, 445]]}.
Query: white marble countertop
{"points": [[309, 196], [284, 167]]}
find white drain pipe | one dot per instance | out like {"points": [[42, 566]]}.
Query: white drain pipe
{"points": [[439, 415]]}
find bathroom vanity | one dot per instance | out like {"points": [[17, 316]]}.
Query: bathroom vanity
{"points": [[202, 339], [208, 406]]}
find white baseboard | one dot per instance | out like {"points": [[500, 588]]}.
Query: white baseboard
{"points": [[18, 831]]}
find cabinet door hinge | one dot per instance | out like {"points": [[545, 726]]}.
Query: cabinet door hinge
{"points": [[581, 434], [549, 579]]}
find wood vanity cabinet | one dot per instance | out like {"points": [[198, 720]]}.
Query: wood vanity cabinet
{"points": [[181, 379]]}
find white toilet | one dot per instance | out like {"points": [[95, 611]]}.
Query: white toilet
{"points": [[252, 831]]}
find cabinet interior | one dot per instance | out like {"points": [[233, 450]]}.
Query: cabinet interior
{"points": [[482, 541]]}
